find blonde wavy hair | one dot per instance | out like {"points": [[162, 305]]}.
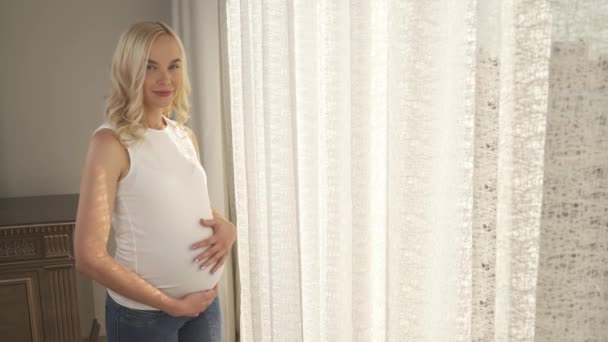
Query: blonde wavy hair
{"points": [[125, 105]]}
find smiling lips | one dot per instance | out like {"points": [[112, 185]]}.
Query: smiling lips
{"points": [[163, 93]]}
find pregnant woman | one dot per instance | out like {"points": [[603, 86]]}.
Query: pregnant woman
{"points": [[143, 177]]}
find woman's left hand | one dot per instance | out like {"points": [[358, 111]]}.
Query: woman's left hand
{"points": [[220, 243]]}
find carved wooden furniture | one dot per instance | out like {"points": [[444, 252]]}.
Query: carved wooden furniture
{"points": [[38, 299]]}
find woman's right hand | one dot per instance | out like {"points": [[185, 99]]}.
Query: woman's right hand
{"points": [[193, 304]]}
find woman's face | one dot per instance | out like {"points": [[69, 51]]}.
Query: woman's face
{"points": [[163, 74]]}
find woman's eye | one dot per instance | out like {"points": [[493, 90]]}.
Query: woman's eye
{"points": [[152, 67]]}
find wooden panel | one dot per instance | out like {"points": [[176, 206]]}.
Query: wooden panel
{"points": [[38, 300], [19, 248], [36, 242], [57, 245], [60, 313], [20, 307]]}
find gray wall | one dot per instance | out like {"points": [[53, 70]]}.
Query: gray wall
{"points": [[55, 61]]}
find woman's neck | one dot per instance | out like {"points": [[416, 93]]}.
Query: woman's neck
{"points": [[154, 120]]}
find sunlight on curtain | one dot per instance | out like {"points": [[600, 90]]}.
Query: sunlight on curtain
{"points": [[389, 163], [572, 302]]}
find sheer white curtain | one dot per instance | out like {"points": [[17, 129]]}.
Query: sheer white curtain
{"points": [[572, 290], [389, 158]]}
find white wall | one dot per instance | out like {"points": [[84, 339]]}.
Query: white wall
{"points": [[55, 58]]}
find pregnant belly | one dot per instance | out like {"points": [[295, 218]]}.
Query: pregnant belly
{"points": [[168, 262], [158, 250]]}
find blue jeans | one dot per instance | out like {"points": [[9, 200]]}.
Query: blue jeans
{"points": [[129, 325]]}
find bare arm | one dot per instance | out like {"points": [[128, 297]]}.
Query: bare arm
{"points": [[106, 161]]}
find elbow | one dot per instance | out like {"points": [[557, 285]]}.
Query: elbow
{"points": [[86, 264], [81, 263]]}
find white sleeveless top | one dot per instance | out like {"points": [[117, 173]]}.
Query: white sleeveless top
{"points": [[156, 214]]}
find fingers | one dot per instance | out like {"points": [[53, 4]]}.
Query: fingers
{"points": [[210, 291], [207, 253], [204, 255], [209, 297], [203, 243], [210, 254], [213, 259], [208, 223], [219, 264], [203, 299], [215, 292]]}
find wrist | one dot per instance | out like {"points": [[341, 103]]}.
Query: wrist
{"points": [[172, 306]]}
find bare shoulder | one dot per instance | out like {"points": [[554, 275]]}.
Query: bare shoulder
{"points": [[105, 138], [107, 152]]}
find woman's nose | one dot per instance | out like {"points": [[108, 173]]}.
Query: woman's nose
{"points": [[163, 77]]}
